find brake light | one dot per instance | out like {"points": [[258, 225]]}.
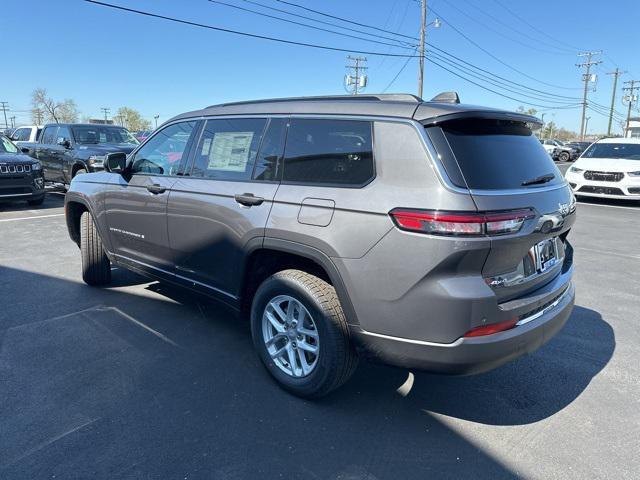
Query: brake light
{"points": [[437, 222], [491, 329]]}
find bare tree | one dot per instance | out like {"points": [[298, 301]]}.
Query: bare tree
{"points": [[131, 119], [46, 108]]}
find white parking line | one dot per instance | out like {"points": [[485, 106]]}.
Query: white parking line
{"points": [[608, 252], [30, 218], [609, 206]]}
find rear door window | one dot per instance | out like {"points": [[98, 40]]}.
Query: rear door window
{"points": [[329, 152], [499, 154]]}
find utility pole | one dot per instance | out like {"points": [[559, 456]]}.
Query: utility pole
{"points": [[155, 117], [542, 131], [354, 79], [13, 121], [106, 112], [615, 74], [5, 107], [423, 33], [631, 98], [586, 126], [586, 78], [37, 113]]}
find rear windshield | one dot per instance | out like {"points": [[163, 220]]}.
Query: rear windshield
{"points": [[89, 134], [500, 154], [630, 151]]}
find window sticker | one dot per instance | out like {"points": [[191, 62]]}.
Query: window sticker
{"points": [[230, 151]]}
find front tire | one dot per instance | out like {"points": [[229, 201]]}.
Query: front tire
{"points": [[564, 156], [96, 268], [301, 334]]}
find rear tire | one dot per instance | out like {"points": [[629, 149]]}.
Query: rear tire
{"points": [[336, 359], [96, 267], [564, 156]]}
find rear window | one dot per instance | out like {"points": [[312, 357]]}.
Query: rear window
{"points": [[499, 154]]}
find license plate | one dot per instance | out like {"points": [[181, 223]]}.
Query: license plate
{"points": [[545, 254]]}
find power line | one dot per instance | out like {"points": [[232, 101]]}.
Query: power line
{"points": [[406, 62], [430, 59], [309, 26], [533, 26], [496, 58], [323, 22], [244, 34], [485, 26], [541, 92], [335, 17]]}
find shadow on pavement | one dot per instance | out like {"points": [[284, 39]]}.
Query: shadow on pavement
{"points": [[134, 384]]}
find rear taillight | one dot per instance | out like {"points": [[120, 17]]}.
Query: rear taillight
{"points": [[461, 223], [491, 329]]}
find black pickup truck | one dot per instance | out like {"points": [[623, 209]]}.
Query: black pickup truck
{"points": [[68, 149]]}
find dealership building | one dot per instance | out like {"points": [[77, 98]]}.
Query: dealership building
{"points": [[634, 128]]}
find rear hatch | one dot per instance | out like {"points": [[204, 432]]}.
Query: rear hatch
{"points": [[499, 160]]}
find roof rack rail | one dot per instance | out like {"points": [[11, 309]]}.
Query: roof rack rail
{"points": [[397, 97]]}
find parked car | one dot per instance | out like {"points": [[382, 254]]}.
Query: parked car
{"points": [[20, 175], [143, 135], [441, 246], [68, 149], [552, 150], [608, 168], [565, 153], [26, 134], [580, 146]]}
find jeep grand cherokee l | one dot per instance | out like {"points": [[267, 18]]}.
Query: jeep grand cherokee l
{"points": [[426, 235]]}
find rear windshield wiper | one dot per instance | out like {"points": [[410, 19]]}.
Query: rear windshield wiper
{"points": [[541, 179]]}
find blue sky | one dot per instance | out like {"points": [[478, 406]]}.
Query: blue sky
{"points": [[105, 58]]}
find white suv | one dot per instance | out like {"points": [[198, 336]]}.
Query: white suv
{"points": [[608, 168]]}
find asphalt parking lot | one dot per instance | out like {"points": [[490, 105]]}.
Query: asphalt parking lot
{"points": [[141, 380]]}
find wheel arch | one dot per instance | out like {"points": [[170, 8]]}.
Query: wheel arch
{"points": [[272, 255]]}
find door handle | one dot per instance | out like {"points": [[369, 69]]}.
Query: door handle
{"points": [[156, 189], [248, 199]]}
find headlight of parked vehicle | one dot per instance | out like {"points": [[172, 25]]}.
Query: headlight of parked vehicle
{"points": [[96, 160], [634, 174], [576, 170], [36, 166]]}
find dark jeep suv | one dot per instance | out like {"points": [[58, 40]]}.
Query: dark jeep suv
{"points": [[20, 175], [426, 235]]}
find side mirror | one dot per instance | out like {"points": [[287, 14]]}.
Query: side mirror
{"points": [[116, 162], [25, 150], [64, 142]]}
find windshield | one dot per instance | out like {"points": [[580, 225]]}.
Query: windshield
{"points": [[90, 134], [6, 146], [629, 151]]}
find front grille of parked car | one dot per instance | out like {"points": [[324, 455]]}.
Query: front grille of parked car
{"points": [[603, 190], [603, 176], [15, 168]]}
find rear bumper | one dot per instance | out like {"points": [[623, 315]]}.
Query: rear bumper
{"points": [[470, 355]]}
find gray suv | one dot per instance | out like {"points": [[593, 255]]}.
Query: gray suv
{"points": [[427, 235]]}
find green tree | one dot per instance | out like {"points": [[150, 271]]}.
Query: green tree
{"points": [[45, 108], [131, 119], [528, 111]]}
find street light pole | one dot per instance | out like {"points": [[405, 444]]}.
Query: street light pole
{"points": [[155, 117], [423, 32]]}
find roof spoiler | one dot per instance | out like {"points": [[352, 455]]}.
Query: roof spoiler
{"points": [[446, 97]]}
